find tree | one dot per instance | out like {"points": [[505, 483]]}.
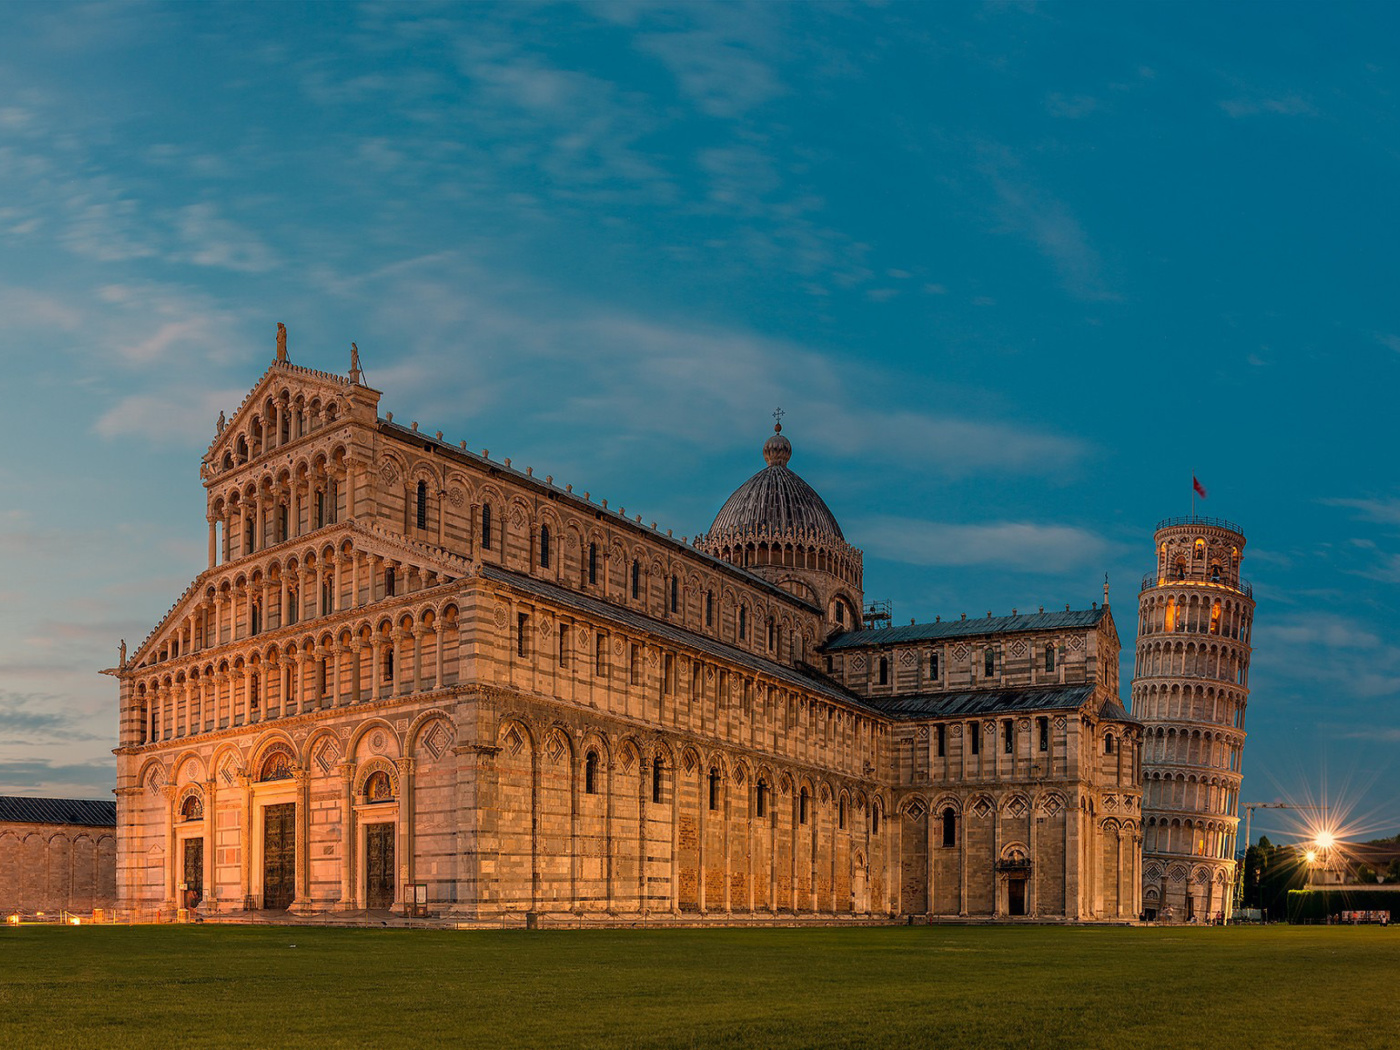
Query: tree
{"points": [[1366, 875], [1392, 873]]}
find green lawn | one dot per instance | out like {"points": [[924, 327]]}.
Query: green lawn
{"points": [[231, 986]]}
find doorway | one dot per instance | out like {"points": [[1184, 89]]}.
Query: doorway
{"points": [[279, 855], [379, 865], [194, 873], [1016, 896]]}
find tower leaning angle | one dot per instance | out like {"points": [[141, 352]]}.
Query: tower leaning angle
{"points": [[1190, 687]]}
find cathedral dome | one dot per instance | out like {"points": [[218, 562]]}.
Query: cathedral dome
{"points": [[776, 502]]}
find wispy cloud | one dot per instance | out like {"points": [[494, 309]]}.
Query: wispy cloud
{"points": [[1022, 546], [1283, 105], [1072, 107], [1385, 511]]}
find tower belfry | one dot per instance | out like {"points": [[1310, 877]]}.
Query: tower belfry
{"points": [[1190, 687]]}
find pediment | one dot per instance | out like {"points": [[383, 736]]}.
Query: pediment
{"points": [[296, 382]]}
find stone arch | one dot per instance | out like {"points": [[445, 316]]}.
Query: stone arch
{"points": [[370, 766], [361, 731], [421, 730]]}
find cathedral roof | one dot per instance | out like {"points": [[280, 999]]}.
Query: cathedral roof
{"points": [[679, 636], [90, 813], [926, 632], [998, 701], [776, 502]]}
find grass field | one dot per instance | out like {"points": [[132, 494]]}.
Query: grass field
{"points": [[232, 986]]}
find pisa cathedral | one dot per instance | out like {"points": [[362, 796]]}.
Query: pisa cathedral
{"points": [[412, 677]]}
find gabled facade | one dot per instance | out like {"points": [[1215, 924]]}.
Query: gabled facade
{"points": [[411, 674]]}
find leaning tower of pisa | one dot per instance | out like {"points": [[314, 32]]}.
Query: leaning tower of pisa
{"points": [[1190, 686]]}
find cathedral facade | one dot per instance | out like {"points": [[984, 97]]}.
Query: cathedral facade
{"points": [[412, 677]]}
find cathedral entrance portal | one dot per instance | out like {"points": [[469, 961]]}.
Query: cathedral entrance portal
{"points": [[1016, 896], [194, 873], [279, 855], [379, 865]]}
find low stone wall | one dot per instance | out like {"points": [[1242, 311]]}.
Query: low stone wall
{"points": [[56, 867]]}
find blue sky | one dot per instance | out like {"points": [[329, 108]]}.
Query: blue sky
{"points": [[1012, 271]]}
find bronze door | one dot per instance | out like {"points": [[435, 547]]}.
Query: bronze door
{"points": [[279, 855], [194, 872], [379, 865], [1016, 896]]}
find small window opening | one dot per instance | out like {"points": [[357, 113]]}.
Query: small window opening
{"points": [[709, 608], [522, 631], [802, 807], [486, 526], [989, 663], [942, 741], [841, 815], [884, 670], [544, 546], [1008, 737], [714, 789], [1050, 659], [592, 563], [600, 656], [933, 666], [743, 621], [636, 578], [950, 828], [1043, 726], [564, 645], [422, 504], [675, 594], [658, 772], [1108, 744], [761, 799], [389, 582], [590, 773], [974, 732]]}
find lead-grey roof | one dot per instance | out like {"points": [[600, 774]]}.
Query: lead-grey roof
{"points": [[775, 501], [976, 702], [87, 812], [926, 632], [679, 636]]}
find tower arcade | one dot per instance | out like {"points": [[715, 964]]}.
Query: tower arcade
{"points": [[1190, 686]]}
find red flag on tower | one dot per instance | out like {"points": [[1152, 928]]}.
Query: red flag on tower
{"points": [[1196, 484]]}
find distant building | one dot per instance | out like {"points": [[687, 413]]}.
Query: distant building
{"points": [[1190, 688], [413, 673], [57, 854]]}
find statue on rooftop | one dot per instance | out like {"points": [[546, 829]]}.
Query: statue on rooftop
{"points": [[281, 341]]}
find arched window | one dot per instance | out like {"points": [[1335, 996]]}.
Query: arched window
{"points": [[600, 655], [389, 582], [840, 612], [675, 594], [592, 563], [841, 814], [636, 578], [714, 789], [1200, 550], [802, 806], [658, 773], [761, 798], [950, 827], [989, 662], [884, 670], [378, 787], [1215, 572], [389, 664], [709, 608], [974, 736], [281, 522], [1181, 568], [192, 808], [743, 621], [1108, 744], [544, 546], [422, 504], [874, 819], [933, 666], [590, 773], [486, 526], [320, 507], [1050, 659]]}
